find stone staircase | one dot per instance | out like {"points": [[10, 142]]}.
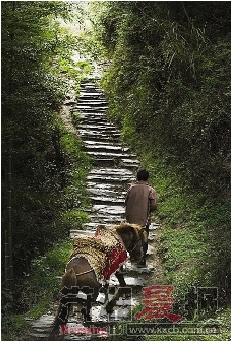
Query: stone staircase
{"points": [[114, 169], [114, 165]]}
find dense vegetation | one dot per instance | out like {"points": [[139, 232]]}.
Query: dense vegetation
{"points": [[168, 84], [43, 165]]}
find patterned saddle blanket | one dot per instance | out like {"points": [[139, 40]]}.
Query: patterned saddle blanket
{"points": [[104, 252]]}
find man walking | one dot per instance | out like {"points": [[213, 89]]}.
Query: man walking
{"points": [[140, 201]]}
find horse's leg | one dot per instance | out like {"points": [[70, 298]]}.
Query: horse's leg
{"points": [[68, 290], [123, 286], [110, 304], [69, 297], [120, 278], [104, 290], [92, 294], [86, 310]]}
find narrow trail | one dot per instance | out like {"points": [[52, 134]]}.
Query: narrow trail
{"points": [[114, 169]]}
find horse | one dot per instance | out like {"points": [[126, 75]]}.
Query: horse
{"points": [[81, 272]]}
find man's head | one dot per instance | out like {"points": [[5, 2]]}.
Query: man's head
{"points": [[142, 174]]}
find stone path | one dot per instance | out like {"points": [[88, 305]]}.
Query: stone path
{"points": [[113, 164], [114, 169]]}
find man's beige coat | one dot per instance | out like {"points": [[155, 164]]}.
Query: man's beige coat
{"points": [[140, 201]]}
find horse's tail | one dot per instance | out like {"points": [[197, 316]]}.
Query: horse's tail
{"points": [[69, 282]]}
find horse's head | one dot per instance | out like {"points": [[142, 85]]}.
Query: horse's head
{"points": [[133, 237]]}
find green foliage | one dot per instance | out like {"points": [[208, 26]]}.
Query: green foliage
{"points": [[42, 283], [74, 71], [6, 311], [20, 325], [30, 97], [48, 163], [195, 238], [167, 83], [75, 196], [38, 287], [74, 219]]}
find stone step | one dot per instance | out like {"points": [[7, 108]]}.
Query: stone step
{"points": [[81, 232], [40, 328], [110, 211], [89, 93], [92, 103], [92, 110], [89, 116], [103, 142], [111, 172], [96, 113], [102, 148], [115, 162], [102, 218], [105, 193], [120, 187], [92, 100], [106, 201], [105, 161], [108, 178], [105, 196], [87, 133], [100, 155], [132, 162], [89, 85], [107, 126], [86, 118], [101, 122]]}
